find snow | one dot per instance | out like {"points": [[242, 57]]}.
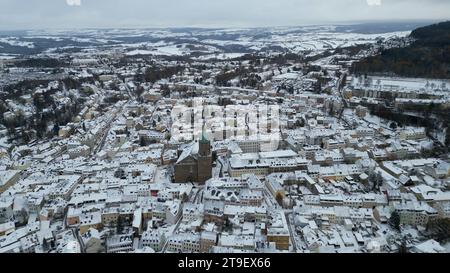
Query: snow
{"points": [[7, 56], [411, 84], [15, 42], [139, 52], [221, 56]]}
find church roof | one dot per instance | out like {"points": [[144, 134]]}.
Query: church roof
{"points": [[191, 149]]}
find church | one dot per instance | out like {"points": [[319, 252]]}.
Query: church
{"points": [[195, 162]]}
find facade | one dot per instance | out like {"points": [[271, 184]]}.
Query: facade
{"points": [[195, 163]]}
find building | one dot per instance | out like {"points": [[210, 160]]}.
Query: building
{"points": [[208, 239], [6, 228], [8, 178], [120, 243], [154, 239], [415, 213], [278, 230], [195, 162]]}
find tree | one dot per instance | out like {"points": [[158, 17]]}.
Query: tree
{"points": [[439, 229], [300, 122], [139, 91], [184, 197], [119, 173], [23, 215], [120, 225], [447, 136], [227, 226], [45, 245], [394, 220], [378, 181], [344, 81], [55, 129], [25, 136], [372, 178], [142, 142], [403, 249], [279, 198], [331, 109], [393, 125]]}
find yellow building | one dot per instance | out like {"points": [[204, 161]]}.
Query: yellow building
{"points": [[281, 240]]}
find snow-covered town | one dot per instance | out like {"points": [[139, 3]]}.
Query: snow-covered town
{"points": [[218, 141]]}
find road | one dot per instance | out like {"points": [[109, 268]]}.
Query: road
{"points": [[106, 132], [340, 88], [80, 240], [292, 236]]}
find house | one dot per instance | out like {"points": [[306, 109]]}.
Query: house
{"points": [[208, 239], [192, 212], [278, 231], [90, 220], [415, 213], [173, 211], [439, 170], [7, 228], [119, 243], [153, 238]]}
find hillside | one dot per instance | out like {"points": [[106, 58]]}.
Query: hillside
{"points": [[428, 56]]}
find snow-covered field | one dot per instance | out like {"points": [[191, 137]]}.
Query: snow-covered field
{"points": [[207, 43], [14, 41], [7, 56], [413, 84], [220, 56]]}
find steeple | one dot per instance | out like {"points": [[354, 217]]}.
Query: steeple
{"points": [[204, 144], [203, 137]]}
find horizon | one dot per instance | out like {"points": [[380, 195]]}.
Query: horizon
{"points": [[99, 14], [341, 23]]}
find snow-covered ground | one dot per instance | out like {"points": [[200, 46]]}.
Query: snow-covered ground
{"points": [[403, 83], [221, 56], [211, 41], [16, 42]]}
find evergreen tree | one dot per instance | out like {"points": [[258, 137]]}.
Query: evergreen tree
{"points": [[447, 136], [394, 220], [120, 225], [55, 129]]}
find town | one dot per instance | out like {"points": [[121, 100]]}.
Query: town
{"points": [[219, 141]]}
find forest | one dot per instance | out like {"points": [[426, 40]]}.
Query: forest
{"points": [[428, 56]]}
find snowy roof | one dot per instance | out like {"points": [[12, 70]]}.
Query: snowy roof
{"points": [[191, 149]]}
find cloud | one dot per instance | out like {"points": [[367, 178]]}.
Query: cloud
{"points": [[211, 13], [374, 2], [73, 2]]}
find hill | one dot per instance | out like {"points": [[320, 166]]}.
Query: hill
{"points": [[428, 56]]}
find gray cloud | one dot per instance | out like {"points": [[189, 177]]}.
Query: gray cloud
{"points": [[26, 14]]}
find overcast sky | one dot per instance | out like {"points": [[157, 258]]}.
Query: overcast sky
{"points": [[27, 14]]}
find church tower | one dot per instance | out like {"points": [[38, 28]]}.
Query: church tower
{"points": [[204, 158], [204, 144]]}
